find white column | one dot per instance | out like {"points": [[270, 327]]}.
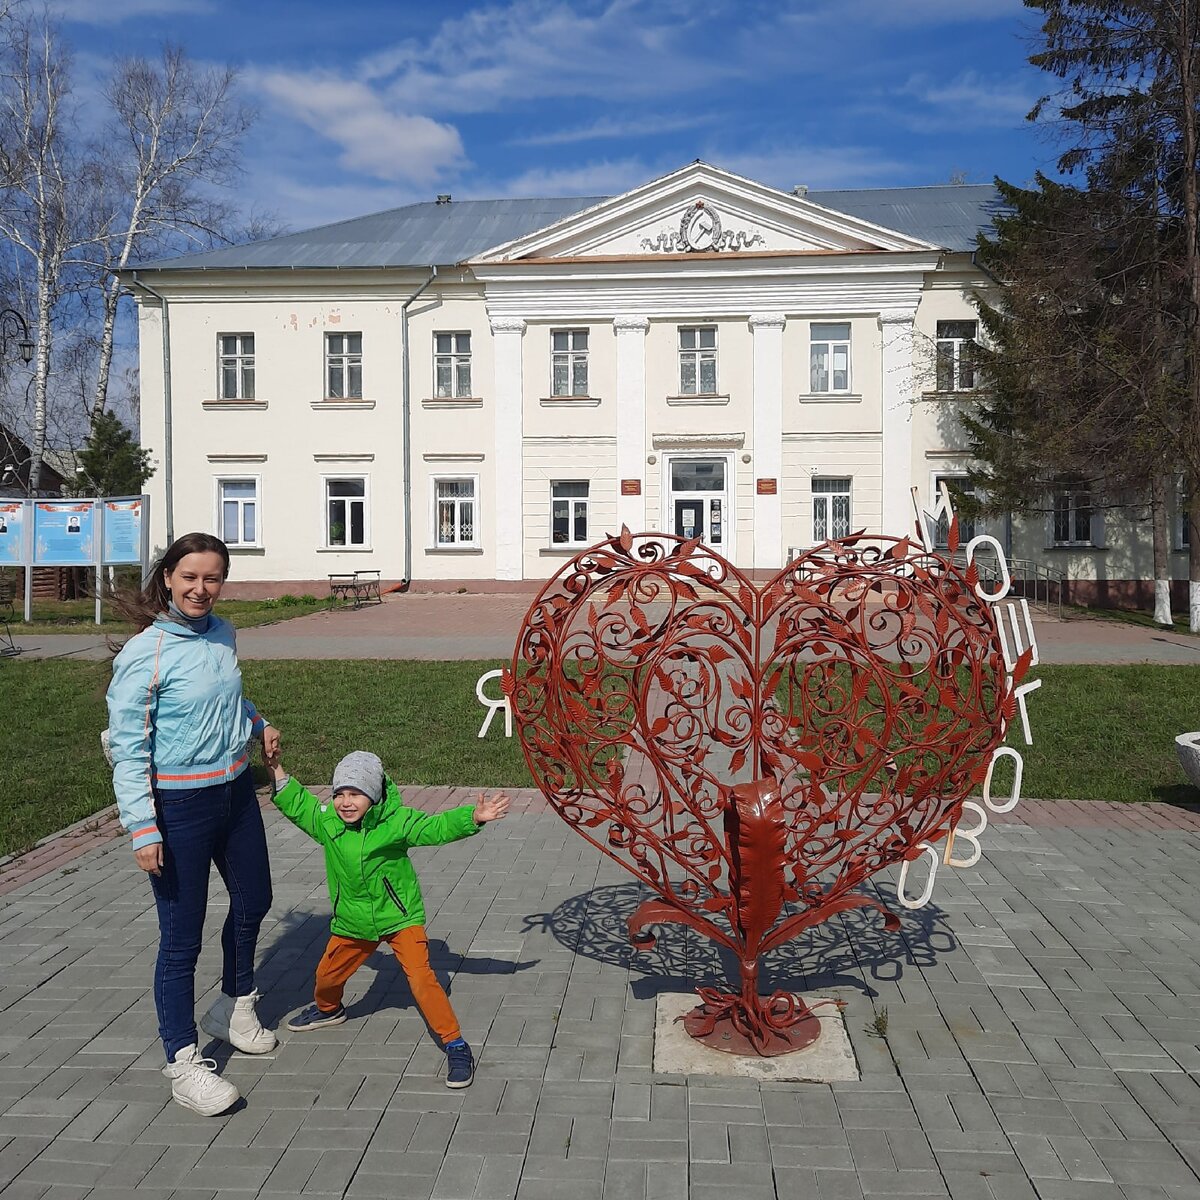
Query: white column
{"points": [[896, 326], [767, 331], [508, 468], [631, 418]]}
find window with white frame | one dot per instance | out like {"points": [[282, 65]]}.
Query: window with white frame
{"points": [[1071, 517], [569, 362], [831, 507], [956, 344], [829, 357], [452, 364], [346, 515], [343, 366], [236, 366], [455, 511], [698, 360], [959, 486], [237, 511], [569, 512]]}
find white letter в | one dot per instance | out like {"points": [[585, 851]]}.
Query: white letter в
{"points": [[492, 705], [1005, 579]]}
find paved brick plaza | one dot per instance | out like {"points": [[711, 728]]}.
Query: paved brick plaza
{"points": [[1042, 1035]]}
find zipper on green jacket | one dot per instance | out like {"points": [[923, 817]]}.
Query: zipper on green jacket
{"points": [[337, 895], [391, 891]]}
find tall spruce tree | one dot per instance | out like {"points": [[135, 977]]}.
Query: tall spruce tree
{"points": [[112, 463], [1094, 361]]}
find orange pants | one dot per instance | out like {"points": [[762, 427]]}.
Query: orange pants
{"points": [[343, 956]]}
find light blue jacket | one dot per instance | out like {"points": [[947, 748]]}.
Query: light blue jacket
{"points": [[177, 719]]}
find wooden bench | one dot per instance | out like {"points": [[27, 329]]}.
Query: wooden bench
{"points": [[358, 587]]}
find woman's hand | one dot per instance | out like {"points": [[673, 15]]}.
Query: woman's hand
{"points": [[150, 858], [271, 743], [491, 808]]}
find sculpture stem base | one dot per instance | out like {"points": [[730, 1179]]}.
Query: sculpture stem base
{"points": [[781, 1024]]}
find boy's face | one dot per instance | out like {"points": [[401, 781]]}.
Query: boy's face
{"points": [[351, 805]]}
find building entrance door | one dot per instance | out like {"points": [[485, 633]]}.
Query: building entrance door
{"points": [[698, 500]]}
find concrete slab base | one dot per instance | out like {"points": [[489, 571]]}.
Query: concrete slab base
{"points": [[830, 1059]]}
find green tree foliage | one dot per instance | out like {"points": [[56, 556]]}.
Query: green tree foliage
{"points": [[112, 461], [1093, 363]]}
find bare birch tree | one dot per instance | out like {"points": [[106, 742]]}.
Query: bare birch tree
{"points": [[173, 140], [44, 209]]}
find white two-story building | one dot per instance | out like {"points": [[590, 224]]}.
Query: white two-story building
{"points": [[471, 391]]}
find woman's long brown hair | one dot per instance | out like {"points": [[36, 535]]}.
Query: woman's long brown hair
{"points": [[142, 606]]}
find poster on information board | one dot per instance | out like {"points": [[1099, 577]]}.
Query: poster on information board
{"points": [[12, 533], [123, 530], [64, 533]]}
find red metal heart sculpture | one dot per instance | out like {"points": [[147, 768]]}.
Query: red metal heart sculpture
{"points": [[754, 754]]}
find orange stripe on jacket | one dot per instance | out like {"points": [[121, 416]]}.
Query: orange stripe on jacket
{"points": [[241, 762]]}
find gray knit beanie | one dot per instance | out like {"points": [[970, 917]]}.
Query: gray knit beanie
{"points": [[362, 770]]}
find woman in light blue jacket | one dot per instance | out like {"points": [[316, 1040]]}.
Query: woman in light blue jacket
{"points": [[180, 732]]}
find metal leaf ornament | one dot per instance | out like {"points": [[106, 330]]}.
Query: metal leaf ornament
{"points": [[754, 754]]}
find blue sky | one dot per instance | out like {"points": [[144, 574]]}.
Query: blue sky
{"points": [[369, 104]]}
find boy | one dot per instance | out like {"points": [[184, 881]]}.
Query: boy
{"points": [[366, 833]]}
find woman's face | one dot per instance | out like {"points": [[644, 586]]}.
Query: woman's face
{"points": [[196, 582]]}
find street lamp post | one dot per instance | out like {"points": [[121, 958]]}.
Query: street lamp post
{"points": [[25, 345]]}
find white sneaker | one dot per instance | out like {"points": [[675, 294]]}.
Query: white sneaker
{"points": [[235, 1021], [196, 1085]]}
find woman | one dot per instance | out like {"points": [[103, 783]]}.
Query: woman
{"points": [[179, 734]]}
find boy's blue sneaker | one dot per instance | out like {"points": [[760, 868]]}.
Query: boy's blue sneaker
{"points": [[312, 1017], [461, 1064]]}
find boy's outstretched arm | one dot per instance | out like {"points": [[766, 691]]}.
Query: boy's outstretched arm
{"points": [[435, 829], [296, 802]]}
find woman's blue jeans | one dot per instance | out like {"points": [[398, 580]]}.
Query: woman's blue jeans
{"points": [[223, 825]]}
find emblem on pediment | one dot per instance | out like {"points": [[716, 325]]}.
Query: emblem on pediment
{"points": [[700, 229]]}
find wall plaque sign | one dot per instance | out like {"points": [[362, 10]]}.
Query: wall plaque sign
{"points": [[768, 487], [631, 487]]}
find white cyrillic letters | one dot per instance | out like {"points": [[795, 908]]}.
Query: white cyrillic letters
{"points": [[971, 836], [1022, 691], [927, 519], [1001, 562], [1018, 771], [928, 851], [492, 705], [1017, 635]]}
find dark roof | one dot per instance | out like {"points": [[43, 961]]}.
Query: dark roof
{"points": [[434, 234], [950, 215]]}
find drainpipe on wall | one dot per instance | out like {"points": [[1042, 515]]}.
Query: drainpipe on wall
{"points": [[407, 432], [168, 462]]}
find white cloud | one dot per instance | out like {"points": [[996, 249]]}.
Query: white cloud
{"points": [[818, 167], [968, 99], [530, 50], [305, 206], [113, 12], [857, 14], [607, 128], [374, 137], [604, 178]]}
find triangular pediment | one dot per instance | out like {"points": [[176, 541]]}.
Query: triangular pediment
{"points": [[703, 209]]}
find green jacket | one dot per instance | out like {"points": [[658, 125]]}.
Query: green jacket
{"points": [[372, 884]]}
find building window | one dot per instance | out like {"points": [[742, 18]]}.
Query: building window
{"points": [[452, 364], [698, 360], [1072, 517], [236, 366], [346, 512], [958, 486], [343, 366], [831, 508], [569, 362], [455, 515], [829, 357], [956, 355], [237, 511], [569, 512]]}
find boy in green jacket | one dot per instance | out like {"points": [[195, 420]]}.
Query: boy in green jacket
{"points": [[366, 833]]}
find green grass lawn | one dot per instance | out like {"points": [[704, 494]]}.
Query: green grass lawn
{"points": [[79, 616], [1101, 733]]}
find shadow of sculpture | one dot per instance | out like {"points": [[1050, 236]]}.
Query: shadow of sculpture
{"points": [[851, 949]]}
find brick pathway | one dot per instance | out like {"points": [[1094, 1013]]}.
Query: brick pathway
{"points": [[1042, 1035]]}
